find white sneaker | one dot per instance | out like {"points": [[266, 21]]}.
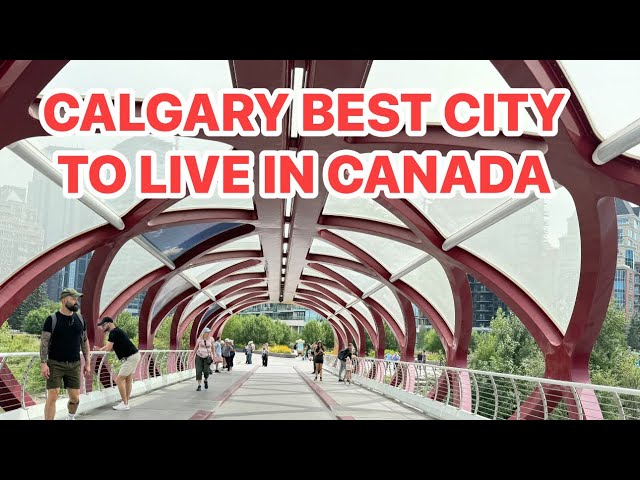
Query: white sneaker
{"points": [[121, 406], [70, 417]]}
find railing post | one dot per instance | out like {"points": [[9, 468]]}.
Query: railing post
{"points": [[517, 395], [495, 394], [576, 397], [620, 407], [545, 409], [24, 381], [477, 390], [446, 376]]}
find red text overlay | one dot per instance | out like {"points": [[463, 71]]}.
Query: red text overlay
{"points": [[319, 112]]}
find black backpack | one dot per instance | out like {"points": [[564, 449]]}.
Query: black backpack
{"points": [[342, 355]]}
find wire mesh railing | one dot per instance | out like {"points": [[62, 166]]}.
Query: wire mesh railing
{"points": [[22, 385], [499, 396]]}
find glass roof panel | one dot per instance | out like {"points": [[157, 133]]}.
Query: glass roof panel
{"points": [[333, 305], [235, 296], [202, 272], [217, 289], [363, 282], [255, 269], [247, 243], [545, 234], [441, 77], [131, 263], [608, 91], [350, 319], [449, 215], [197, 300], [303, 286], [315, 273], [211, 311], [360, 207], [34, 216], [391, 254], [345, 297], [323, 248], [143, 76], [174, 241], [387, 299], [364, 311], [430, 280], [175, 286], [129, 147]]}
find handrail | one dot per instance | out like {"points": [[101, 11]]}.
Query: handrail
{"points": [[495, 395], [23, 385]]}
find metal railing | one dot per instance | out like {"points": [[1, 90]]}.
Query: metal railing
{"points": [[500, 396], [22, 385]]}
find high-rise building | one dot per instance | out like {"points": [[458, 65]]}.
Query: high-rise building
{"points": [[626, 286], [485, 303], [45, 197], [21, 236], [136, 304], [70, 276], [292, 315]]}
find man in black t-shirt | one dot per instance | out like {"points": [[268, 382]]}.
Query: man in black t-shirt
{"points": [[60, 354], [125, 350]]}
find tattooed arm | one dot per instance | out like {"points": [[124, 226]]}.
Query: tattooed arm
{"points": [[85, 352], [44, 346], [45, 342], [44, 353]]}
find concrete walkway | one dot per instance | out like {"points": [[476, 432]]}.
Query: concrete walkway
{"points": [[284, 390]]}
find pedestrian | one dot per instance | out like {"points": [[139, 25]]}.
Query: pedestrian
{"points": [[350, 361], [64, 334], [265, 354], [203, 358], [249, 351], [318, 359], [127, 353], [342, 357], [217, 354]]}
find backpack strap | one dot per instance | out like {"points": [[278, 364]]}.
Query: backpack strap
{"points": [[54, 320], [81, 319]]}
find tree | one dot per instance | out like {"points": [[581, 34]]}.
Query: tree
{"points": [[315, 330], [37, 299], [507, 348], [186, 338], [633, 338], [611, 346], [421, 338], [391, 342], [433, 344], [34, 321], [281, 333], [233, 329], [370, 352], [161, 340], [129, 324]]}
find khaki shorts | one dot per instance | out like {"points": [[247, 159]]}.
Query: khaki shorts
{"points": [[129, 365], [67, 371]]}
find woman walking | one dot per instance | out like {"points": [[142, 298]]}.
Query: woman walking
{"points": [[318, 359], [203, 358]]}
